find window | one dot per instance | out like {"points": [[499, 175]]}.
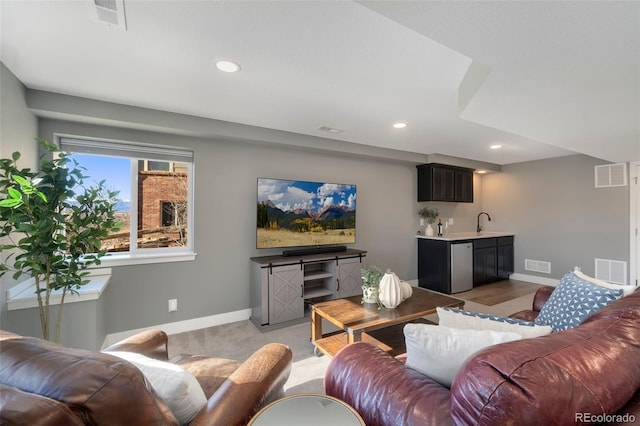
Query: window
{"points": [[174, 213], [155, 200]]}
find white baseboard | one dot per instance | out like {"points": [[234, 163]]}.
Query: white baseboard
{"points": [[183, 326], [535, 279]]}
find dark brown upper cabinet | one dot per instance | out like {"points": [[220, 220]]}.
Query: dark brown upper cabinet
{"points": [[440, 182]]}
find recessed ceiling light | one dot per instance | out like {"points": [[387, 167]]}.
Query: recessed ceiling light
{"points": [[495, 146], [481, 172], [227, 66], [399, 125]]}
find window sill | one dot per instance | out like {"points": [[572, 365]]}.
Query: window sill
{"points": [[117, 259], [23, 296]]}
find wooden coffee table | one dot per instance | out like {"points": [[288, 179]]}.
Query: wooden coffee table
{"points": [[358, 320]]}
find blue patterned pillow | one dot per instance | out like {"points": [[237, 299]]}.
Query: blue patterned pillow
{"points": [[573, 301], [491, 317]]}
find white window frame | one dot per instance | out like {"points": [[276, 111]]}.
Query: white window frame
{"points": [[140, 151]]}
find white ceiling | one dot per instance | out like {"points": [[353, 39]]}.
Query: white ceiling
{"points": [[544, 79]]}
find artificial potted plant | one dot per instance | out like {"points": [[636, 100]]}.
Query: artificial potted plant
{"points": [[429, 216], [52, 225], [370, 281]]}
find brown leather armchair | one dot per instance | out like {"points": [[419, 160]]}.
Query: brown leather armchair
{"points": [[42, 383]]}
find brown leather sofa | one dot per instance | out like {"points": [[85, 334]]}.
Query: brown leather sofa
{"points": [[589, 374], [42, 383]]}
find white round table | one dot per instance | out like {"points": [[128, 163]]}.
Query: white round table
{"points": [[309, 410]]}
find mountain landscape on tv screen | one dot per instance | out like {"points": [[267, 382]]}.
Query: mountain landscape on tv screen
{"points": [[330, 217], [296, 213]]}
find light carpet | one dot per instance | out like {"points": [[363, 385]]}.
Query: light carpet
{"points": [[239, 340]]}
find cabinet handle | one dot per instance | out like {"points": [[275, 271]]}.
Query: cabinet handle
{"points": [[302, 290], [338, 282]]}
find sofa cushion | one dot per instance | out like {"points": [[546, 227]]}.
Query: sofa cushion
{"points": [[210, 372], [573, 301], [176, 386], [458, 318], [439, 352]]}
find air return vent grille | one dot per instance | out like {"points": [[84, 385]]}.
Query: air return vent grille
{"points": [[611, 175], [537, 266], [613, 271], [109, 12]]}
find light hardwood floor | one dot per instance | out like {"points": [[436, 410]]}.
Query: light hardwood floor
{"points": [[498, 292]]}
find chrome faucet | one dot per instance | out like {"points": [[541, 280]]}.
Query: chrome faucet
{"points": [[478, 228]]}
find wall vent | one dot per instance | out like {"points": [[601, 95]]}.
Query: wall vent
{"points": [[537, 266], [109, 12], [613, 271], [609, 175]]}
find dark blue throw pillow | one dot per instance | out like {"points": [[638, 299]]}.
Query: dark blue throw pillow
{"points": [[573, 301]]}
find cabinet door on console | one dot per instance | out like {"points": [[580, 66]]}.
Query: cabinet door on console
{"points": [[349, 278], [285, 293]]}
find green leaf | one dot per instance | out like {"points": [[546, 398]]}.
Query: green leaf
{"points": [[22, 181], [14, 193], [15, 156], [10, 203]]}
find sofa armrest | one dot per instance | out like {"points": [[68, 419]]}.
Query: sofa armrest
{"points": [[257, 381], [383, 390], [539, 299], [151, 343]]}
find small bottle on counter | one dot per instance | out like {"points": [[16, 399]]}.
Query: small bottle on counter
{"points": [[439, 227]]}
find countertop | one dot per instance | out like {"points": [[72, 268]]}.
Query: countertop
{"points": [[456, 236]]}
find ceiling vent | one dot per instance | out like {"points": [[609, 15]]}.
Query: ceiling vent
{"points": [[109, 12], [329, 129]]}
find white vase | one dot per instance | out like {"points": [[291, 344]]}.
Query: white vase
{"points": [[390, 292], [428, 231], [407, 291], [369, 294]]}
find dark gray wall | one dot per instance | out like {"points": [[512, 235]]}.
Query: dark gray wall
{"points": [[558, 214], [18, 128]]}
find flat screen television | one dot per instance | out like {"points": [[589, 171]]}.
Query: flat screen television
{"points": [[294, 213]]}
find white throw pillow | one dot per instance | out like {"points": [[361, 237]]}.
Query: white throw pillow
{"points": [[457, 318], [626, 289], [175, 385], [439, 352]]}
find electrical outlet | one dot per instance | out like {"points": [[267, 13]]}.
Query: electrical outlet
{"points": [[173, 305], [450, 221]]}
